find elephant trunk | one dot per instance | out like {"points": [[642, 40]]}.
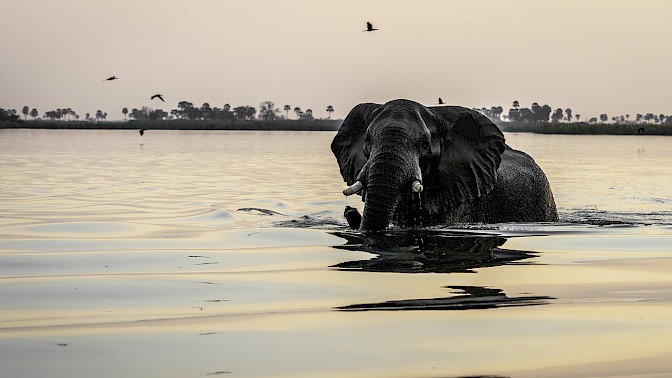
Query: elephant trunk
{"points": [[381, 202], [389, 177]]}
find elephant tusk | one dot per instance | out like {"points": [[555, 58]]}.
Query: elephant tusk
{"points": [[417, 186], [354, 188]]}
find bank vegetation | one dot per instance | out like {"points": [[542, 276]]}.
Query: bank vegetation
{"points": [[585, 128]]}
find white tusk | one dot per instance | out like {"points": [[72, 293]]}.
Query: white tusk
{"points": [[354, 188], [417, 186]]}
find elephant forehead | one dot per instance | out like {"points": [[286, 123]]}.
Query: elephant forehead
{"points": [[395, 111], [403, 130], [395, 117]]}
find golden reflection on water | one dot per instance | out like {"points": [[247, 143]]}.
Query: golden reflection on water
{"points": [[115, 246]]}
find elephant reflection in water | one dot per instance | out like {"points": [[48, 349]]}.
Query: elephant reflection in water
{"points": [[428, 251], [472, 298], [416, 165]]}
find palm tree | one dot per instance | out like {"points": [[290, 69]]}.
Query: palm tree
{"points": [[330, 109], [34, 113], [287, 109], [297, 110], [577, 117], [516, 104], [125, 111], [25, 112]]}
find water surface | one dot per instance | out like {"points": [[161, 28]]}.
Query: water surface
{"points": [[207, 253]]}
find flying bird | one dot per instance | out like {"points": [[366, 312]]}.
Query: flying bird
{"points": [[369, 27], [160, 97], [111, 78], [142, 132]]}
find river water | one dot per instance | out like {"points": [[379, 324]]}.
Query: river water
{"points": [[206, 253]]}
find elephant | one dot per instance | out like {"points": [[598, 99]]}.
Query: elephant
{"points": [[415, 166]]}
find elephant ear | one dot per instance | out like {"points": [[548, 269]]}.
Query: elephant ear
{"points": [[471, 152], [348, 144]]}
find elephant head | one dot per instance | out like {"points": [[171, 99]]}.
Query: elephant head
{"points": [[388, 152]]}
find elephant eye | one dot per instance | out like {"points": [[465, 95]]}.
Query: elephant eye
{"points": [[426, 149], [366, 150]]}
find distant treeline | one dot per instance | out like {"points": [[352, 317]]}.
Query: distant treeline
{"points": [[540, 114], [181, 124], [185, 111], [535, 119]]}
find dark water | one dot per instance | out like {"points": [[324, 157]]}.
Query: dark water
{"points": [[210, 253]]}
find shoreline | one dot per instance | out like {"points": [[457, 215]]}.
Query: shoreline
{"points": [[575, 128], [584, 128]]}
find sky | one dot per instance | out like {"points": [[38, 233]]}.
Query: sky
{"points": [[593, 56]]}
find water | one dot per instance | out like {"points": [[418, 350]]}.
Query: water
{"points": [[181, 254], [625, 176]]}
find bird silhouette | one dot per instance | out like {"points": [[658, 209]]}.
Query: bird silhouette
{"points": [[160, 97], [142, 132], [353, 217], [369, 27], [111, 78], [440, 101]]}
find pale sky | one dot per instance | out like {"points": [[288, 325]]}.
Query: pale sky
{"points": [[593, 56]]}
